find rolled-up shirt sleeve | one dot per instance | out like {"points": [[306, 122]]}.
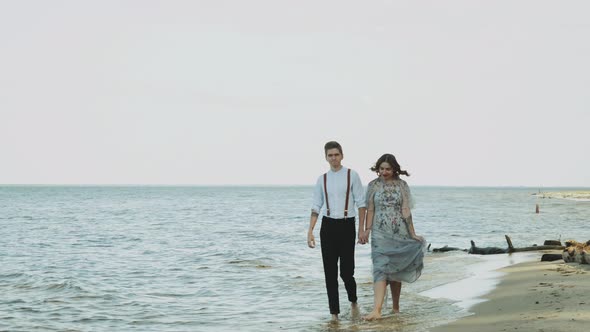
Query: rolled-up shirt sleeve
{"points": [[318, 197], [358, 192]]}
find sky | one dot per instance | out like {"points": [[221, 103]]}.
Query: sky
{"points": [[216, 92]]}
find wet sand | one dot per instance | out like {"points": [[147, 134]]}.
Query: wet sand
{"points": [[533, 297]]}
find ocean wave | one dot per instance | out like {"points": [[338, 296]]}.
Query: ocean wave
{"points": [[28, 282]]}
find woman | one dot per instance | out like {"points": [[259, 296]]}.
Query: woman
{"points": [[397, 252]]}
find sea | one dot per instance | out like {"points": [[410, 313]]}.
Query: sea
{"points": [[235, 258]]}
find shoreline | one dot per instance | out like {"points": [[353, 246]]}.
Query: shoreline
{"points": [[531, 296], [484, 278]]}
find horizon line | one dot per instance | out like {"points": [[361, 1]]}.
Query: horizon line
{"points": [[260, 185]]}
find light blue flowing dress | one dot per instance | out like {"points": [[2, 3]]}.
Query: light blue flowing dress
{"points": [[396, 256]]}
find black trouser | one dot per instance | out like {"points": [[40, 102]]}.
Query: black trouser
{"points": [[337, 239]]}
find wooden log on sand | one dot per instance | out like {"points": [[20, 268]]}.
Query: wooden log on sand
{"points": [[548, 245], [495, 250], [447, 248], [485, 250], [551, 257], [531, 248], [578, 252], [573, 251]]}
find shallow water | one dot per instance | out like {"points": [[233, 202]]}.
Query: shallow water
{"points": [[224, 258]]}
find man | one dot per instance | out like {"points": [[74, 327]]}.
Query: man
{"points": [[335, 194]]}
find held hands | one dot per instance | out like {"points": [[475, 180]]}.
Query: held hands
{"points": [[364, 236], [310, 240]]}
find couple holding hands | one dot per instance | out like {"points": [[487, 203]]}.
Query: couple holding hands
{"points": [[385, 218]]}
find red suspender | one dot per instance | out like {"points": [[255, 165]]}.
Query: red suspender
{"points": [[326, 193], [347, 193]]}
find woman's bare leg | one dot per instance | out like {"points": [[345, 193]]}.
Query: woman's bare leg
{"points": [[379, 289], [396, 289]]}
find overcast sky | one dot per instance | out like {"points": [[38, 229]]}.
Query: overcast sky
{"points": [[491, 93]]}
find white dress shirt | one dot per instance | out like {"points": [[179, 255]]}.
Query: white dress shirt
{"points": [[336, 183]]}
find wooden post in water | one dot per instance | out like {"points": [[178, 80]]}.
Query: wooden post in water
{"points": [[537, 208]]}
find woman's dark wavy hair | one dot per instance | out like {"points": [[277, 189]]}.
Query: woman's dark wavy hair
{"points": [[390, 159]]}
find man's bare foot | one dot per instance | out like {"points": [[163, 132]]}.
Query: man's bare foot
{"points": [[373, 315], [355, 311], [334, 317], [395, 311]]}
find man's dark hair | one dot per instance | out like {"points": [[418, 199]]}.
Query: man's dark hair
{"points": [[332, 145]]}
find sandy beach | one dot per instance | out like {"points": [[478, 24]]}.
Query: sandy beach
{"points": [[532, 296]]}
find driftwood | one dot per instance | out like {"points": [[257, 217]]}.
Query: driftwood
{"points": [[485, 250], [578, 252], [446, 248], [532, 248], [548, 245], [573, 251], [551, 257]]}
